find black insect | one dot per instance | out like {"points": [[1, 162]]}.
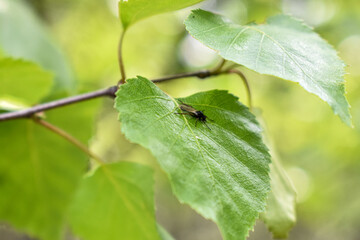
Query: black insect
{"points": [[189, 110]]}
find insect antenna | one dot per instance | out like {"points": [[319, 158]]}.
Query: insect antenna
{"points": [[181, 101], [183, 113]]}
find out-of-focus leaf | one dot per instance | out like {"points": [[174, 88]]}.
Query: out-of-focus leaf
{"points": [[223, 172], [284, 47], [9, 105], [116, 202], [40, 171], [280, 214], [131, 11], [164, 235], [24, 80], [23, 36]]}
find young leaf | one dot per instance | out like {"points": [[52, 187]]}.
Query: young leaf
{"points": [[131, 11], [116, 202], [39, 171], [28, 76], [22, 35], [223, 172], [284, 47]]}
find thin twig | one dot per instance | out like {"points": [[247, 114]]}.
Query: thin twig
{"points": [[246, 83], [57, 103], [69, 138], [219, 66], [120, 59], [234, 65], [199, 74]]}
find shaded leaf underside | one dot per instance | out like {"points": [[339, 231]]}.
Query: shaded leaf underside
{"points": [[284, 47]]}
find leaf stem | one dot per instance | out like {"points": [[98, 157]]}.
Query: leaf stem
{"points": [[69, 138], [218, 68], [246, 83], [120, 59]]}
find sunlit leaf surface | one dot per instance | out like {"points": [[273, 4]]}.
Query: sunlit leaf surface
{"points": [[17, 77]]}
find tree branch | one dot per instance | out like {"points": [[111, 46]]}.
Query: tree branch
{"points": [[110, 92], [58, 103], [199, 74]]}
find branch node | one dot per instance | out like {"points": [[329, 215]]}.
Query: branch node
{"points": [[112, 91], [204, 74]]}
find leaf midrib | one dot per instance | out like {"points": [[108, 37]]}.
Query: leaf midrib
{"points": [[121, 194]]}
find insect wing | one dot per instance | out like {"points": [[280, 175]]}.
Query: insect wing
{"points": [[187, 108]]}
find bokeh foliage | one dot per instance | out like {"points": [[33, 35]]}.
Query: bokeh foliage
{"points": [[320, 153]]}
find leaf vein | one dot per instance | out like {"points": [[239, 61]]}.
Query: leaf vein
{"points": [[210, 29], [232, 156], [146, 98], [235, 38], [283, 49], [258, 54]]}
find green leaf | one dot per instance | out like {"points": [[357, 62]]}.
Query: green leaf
{"points": [[284, 47], [164, 235], [22, 35], [131, 11], [116, 202], [18, 77], [223, 172], [40, 171], [280, 215]]}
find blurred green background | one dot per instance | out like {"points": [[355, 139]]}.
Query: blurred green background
{"points": [[319, 152]]}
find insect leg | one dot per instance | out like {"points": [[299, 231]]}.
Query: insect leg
{"points": [[207, 126]]}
